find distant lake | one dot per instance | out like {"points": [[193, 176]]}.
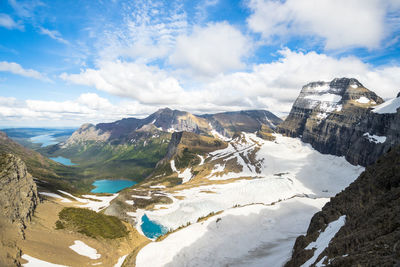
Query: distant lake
{"points": [[63, 161], [44, 139], [111, 186], [152, 229]]}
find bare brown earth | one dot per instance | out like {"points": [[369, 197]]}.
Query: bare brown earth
{"points": [[46, 243]]}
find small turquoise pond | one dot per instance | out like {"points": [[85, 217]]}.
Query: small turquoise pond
{"points": [[63, 161], [111, 186], [152, 229]]}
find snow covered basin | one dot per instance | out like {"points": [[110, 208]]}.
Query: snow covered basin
{"points": [[64, 161], [152, 229], [111, 186]]}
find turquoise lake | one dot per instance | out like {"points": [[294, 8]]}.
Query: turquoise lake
{"points": [[44, 139], [152, 229], [111, 186], [64, 161]]}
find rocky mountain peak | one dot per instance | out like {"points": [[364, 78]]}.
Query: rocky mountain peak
{"points": [[337, 118]]}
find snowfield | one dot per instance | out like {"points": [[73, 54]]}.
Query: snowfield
{"points": [[389, 106], [254, 235], [260, 212], [288, 168]]}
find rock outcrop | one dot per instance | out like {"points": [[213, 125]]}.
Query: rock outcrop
{"points": [[338, 118], [18, 200], [18, 192], [371, 233]]}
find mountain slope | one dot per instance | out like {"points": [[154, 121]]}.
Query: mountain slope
{"points": [[371, 232], [337, 118], [130, 148]]}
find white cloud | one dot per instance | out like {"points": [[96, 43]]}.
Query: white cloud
{"points": [[88, 107], [53, 35], [15, 68], [7, 22], [273, 86], [211, 50], [149, 85], [341, 23]]}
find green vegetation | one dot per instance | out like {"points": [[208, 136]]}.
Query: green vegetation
{"points": [[91, 223], [99, 160]]}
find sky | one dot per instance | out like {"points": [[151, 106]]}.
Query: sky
{"points": [[65, 63]]}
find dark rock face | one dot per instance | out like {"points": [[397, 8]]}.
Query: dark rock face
{"points": [[371, 233], [336, 118]]}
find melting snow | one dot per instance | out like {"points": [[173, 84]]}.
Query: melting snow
{"points": [[375, 138], [120, 261], [254, 235], [201, 160], [33, 262], [186, 175], [389, 106], [302, 170], [324, 238], [363, 100], [157, 186], [173, 166], [84, 250], [63, 199], [102, 203]]}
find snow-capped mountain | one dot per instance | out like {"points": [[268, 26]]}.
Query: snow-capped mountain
{"points": [[343, 118]]}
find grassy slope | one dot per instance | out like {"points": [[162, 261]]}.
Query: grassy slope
{"points": [[91, 223]]}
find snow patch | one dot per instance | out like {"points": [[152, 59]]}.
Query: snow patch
{"points": [[375, 138], [63, 199], [173, 166], [34, 262], [186, 175], [101, 203], [201, 160], [363, 100], [389, 106], [325, 98], [324, 238], [84, 250], [158, 186], [130, 202], [121, 261]]}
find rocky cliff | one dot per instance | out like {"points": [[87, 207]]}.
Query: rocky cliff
{"points": [[338, 118], [370, 235], [18, 192], [18, 200]]}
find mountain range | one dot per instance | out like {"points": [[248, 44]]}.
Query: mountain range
{"points": [[213, 173]]}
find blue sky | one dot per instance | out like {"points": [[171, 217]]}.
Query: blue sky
{"points": [[64, 63]]}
